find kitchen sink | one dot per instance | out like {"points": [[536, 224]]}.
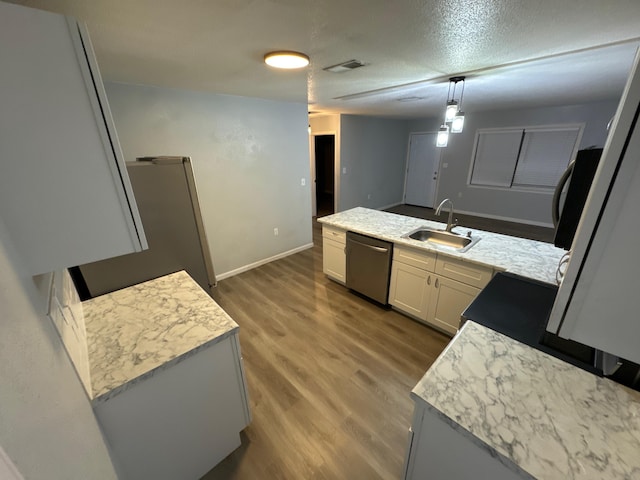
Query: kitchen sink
{"points": [[455, 241]]}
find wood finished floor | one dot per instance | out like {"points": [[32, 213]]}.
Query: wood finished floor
{"points": [[329, 375]]}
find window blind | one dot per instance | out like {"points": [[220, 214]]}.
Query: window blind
{"points": [[495, 159], [544, 155]]}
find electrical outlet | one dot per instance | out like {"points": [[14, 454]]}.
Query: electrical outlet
{"points": [[275, 232], [459, 194], [303, 182], [369, 197], [344, 170], [445, 165]]}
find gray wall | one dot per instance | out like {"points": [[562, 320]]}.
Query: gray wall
{"points": [[249, 156], [47, 426], [526, 207], [374, 152]]}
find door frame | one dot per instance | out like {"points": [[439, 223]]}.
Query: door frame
{"points": [[312, 167], [406, 170]]}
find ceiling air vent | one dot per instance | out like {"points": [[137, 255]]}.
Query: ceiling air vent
{"points": [[344, 66]]}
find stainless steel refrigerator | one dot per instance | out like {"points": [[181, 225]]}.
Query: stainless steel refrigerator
{"points": [[165, 191]]}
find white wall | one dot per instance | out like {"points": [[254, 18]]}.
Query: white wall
{"points": [[47, 426], [526, 207], [374, 152], [249, 156]]}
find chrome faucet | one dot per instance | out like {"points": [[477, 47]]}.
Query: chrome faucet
{"points": [[450, 222]]}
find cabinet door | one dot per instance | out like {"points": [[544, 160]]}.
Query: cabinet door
{"points": [[65, 196], [449, 298], [334, 260], [409, 289]]}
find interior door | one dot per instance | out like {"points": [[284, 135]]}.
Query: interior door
{"points": [[422, 170]]}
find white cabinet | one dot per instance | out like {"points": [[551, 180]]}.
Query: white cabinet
{"points": [[438, 451], [183, 420], [411, 281], [434, 288], [448, 299], [334, 259], [65, 196]]}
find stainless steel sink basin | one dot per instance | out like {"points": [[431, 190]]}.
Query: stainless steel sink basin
{"points": [[458, 242]]}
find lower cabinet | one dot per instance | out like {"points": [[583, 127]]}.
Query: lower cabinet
{"points": [[448, 299], [434, 288], [409, 289], [334, 259], [438, 451], [181, 421]]}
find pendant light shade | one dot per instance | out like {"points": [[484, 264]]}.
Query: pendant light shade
{"points": [[286, 59], [451, 111], [458, 123], [443, 136]]}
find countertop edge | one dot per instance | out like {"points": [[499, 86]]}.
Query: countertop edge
{"points": [[108, 395]]}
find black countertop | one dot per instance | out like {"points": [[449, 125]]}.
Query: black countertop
{"points": [[519, 307]]}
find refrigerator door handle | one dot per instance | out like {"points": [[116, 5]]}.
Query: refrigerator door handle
{"points": [[555, 203]]}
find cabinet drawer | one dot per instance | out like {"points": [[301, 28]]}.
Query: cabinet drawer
{"points": [[416, 258], [335, 234], [469, 273]]}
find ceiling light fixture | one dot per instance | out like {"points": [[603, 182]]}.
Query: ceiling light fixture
{"points": [[286, 59], [453, 116]]}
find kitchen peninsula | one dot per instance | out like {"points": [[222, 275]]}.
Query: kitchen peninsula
{"points": [[167, 377], [529, 258], [433, 283]]}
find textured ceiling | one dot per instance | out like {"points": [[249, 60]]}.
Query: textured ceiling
{"points": [[515, 52]]}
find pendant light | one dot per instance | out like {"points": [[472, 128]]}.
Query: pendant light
{"points": [[453, 106], [443, 136], [451, 111], [458, 123], [453, 116]]}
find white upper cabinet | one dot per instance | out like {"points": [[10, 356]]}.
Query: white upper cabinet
{"points": [[65, 195]]}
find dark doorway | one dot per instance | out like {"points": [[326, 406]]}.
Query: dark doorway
{"points": [[325, 173]]}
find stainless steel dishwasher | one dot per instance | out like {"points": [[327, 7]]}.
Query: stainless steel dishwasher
{"points": [[369, 266]]}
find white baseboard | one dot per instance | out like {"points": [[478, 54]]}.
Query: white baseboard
{"points": [[259, 263], [389, 206], [507, 219]]}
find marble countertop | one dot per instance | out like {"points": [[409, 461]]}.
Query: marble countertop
{"points": [[538, 415], [137, 331], [529, 258]]}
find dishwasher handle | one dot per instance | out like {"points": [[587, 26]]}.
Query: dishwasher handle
{"points": [[373, 247]]}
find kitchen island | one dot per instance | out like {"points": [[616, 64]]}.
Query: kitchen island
{"points": [[429, 282], [167, 378], [491, 407], [529, 258]]}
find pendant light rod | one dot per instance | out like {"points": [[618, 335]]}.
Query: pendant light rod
{"points": [[462, 93]]}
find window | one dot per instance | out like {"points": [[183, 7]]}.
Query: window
{"points": [[523, 157]]}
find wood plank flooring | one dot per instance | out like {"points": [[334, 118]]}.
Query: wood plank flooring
{"points": [[329, 375]]}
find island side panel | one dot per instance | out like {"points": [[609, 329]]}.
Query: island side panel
{"points": [[180, 422], [439, 452]]}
